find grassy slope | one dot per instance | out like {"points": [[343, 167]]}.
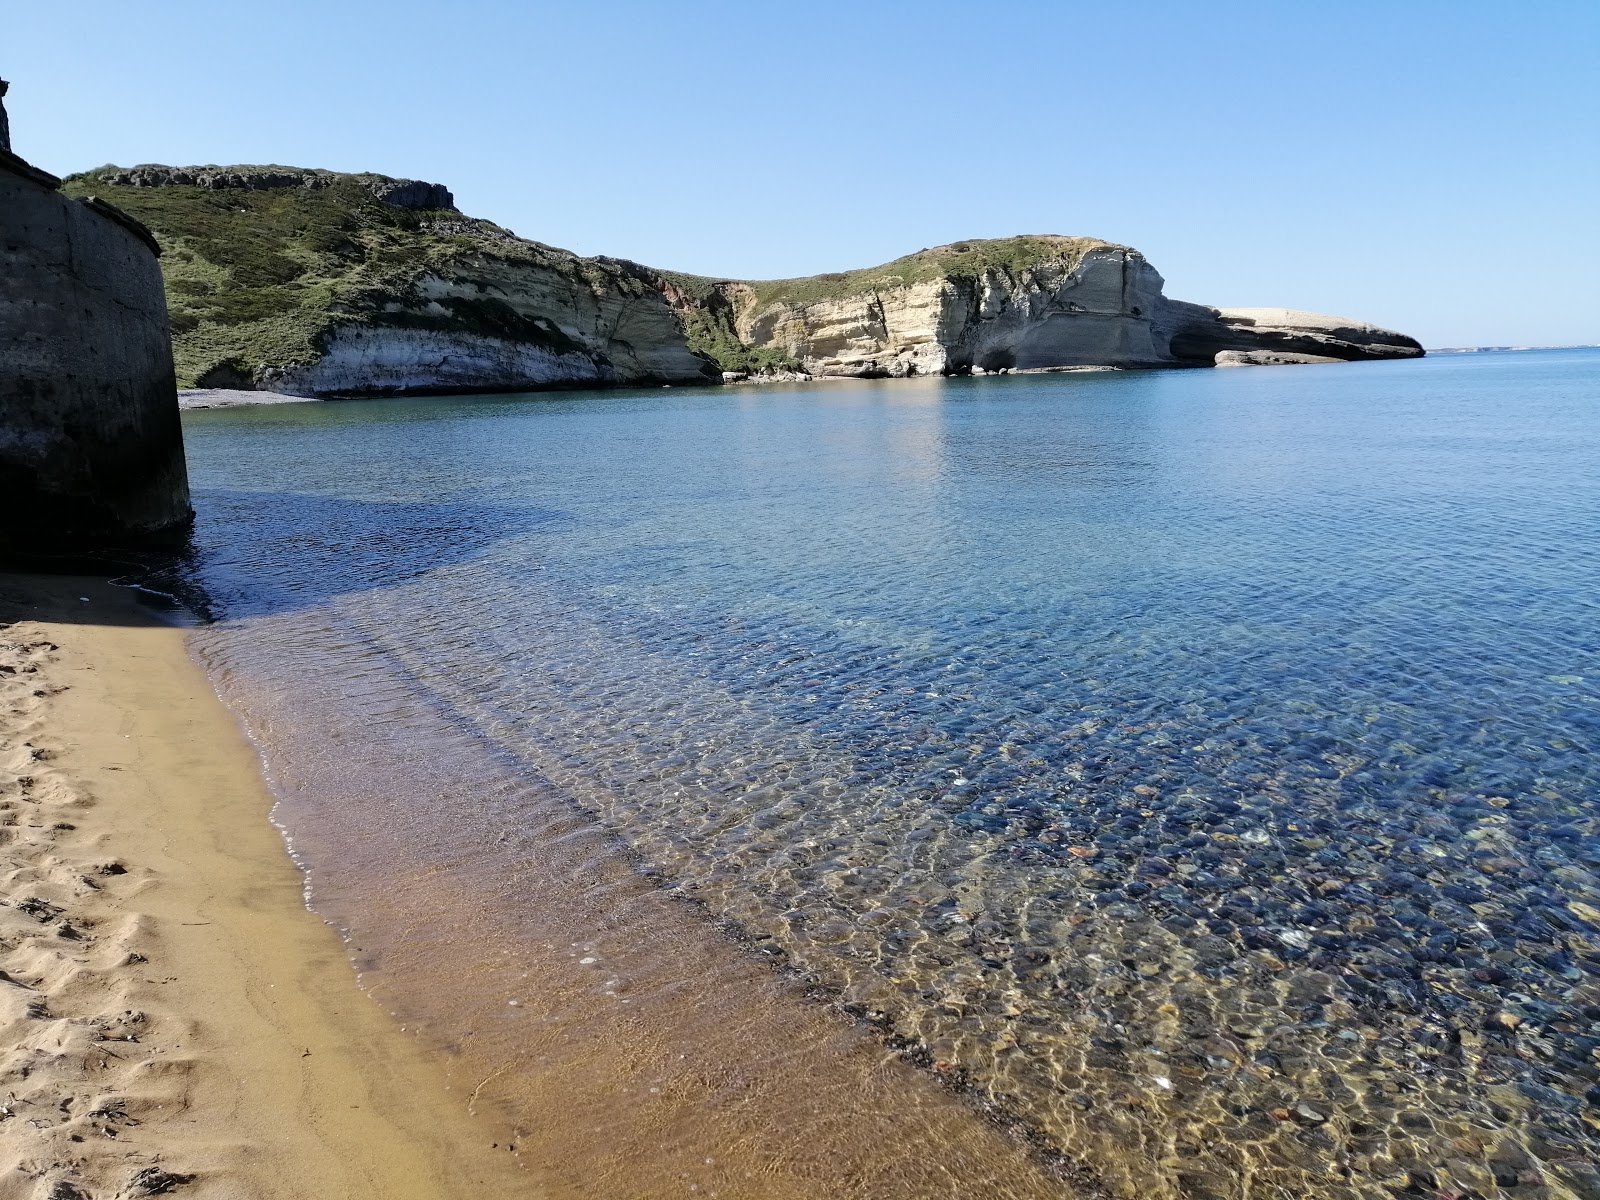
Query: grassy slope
{"points": [[960, 260], [259, 276]]}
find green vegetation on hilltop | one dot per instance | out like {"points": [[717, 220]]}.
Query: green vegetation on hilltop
{"points": [[262, 262], [710, 323], [960, 260], [257, 275]]}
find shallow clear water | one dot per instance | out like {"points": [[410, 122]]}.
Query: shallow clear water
{"points": [[1198, 766]]}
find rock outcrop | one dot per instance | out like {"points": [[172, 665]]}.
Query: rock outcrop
{"points": [[1019, 303], [1269, 358], [317, 283], [1026, 303], [1201, 334], [398, 193], [91, 450]]}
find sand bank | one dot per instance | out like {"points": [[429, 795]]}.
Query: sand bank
{"points": [[235, 398], [171, 1017]]}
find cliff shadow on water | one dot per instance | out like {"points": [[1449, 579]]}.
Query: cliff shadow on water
{"points": [[302, 551]]}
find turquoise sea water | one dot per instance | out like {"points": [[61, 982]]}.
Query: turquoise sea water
{"points": [[1201, 766]]}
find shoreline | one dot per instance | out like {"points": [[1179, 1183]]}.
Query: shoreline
{"points": [[179, 1019], [631, 1040], [174, 1017], [198, 399], [207, 399]]}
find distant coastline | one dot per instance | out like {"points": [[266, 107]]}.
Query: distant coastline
{"points": [[1518, 349]]}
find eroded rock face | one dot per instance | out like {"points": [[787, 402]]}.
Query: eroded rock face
{"points": [[1099, 311], [894, 334], [1073, 302], [300, 284], [533, 329], [1202, 334], [1269, 358], [365, 359], [1087, 304]]}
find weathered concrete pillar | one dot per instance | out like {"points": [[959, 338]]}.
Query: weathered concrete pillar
{"points": [[91, 450]]}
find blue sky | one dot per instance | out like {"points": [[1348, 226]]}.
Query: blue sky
{"points": [[1434, 167]]}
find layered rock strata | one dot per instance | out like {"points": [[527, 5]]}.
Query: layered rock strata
{"points": [[1269, 358], [316, 283], [1203, 334], [1019, 304], [1027, 303]]}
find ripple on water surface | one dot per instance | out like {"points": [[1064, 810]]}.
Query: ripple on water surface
{"points": [[1197, 765]]}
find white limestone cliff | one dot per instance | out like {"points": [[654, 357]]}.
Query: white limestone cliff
{"points": [[532, 328], [1091, 305], [1048, 303]]}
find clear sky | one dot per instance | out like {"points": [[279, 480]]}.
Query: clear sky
{"points": [[1434, 167]]}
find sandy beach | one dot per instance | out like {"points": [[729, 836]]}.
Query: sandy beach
{"points": [[176, 1020], [172, 1017]]}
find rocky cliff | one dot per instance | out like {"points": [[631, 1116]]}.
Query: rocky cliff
{"points": [[318, 283], [1225, 335], [1012, 304], [1015, 304]]}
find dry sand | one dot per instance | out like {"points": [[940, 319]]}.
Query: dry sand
{"points": [[172, 1018]]}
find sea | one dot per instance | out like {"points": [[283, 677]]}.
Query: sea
{"points": [[1192, 776]]}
